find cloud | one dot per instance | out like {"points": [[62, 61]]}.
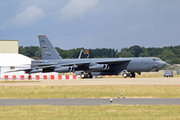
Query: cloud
{"points": [[29, 16], [77, 7]]}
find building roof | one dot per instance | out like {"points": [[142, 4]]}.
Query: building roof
{"points": [[178, 65], [14, 60], [8, 40]]}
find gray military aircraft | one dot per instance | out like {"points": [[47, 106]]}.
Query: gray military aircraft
{"points": [[87, 68]]}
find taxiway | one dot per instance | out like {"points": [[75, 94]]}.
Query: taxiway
{"points": [[96, 101]]}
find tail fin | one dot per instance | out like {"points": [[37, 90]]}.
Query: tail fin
{"points": [[47, 49]]}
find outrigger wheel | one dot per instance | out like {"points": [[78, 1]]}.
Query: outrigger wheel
{"points": [[86, 75]]}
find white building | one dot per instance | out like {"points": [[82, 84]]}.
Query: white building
{"points": [[10, 59], [10, 62]]}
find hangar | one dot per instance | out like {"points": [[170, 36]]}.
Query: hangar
{"points": [[9, 46], [10, 59]]}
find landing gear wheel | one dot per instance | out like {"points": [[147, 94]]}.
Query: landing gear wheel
{"points": [[89, 75], [125, 75], [132, 75], [85, 75], [82, 76]]}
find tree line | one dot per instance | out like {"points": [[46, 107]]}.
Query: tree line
{"points": [[170, 54]]}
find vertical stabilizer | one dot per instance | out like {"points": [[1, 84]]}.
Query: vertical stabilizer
{"points": [[47, 49]]}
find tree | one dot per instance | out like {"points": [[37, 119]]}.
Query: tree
{"points": [[22, 50], [124, 49], [168, 54], [135, 50], [38, 53], [126, 54], [31, 50], [144, 50], [156, 51], [175, 61], [144, 55], [59, 50], [176, 50]]}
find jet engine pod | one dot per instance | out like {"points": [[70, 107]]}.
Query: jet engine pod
{"points": [[64, 69], [100, 67], [107, 66], [71, 69]]}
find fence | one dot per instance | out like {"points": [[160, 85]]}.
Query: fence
{"points": [[36, 77]]}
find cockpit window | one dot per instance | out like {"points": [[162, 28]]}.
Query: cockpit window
{"points": [[156, 59], [159, 59]]}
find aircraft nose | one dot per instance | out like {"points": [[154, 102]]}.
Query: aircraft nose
{"points": [[162, 64]]}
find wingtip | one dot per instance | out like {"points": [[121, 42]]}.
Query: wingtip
{"points": [[41, 35]]}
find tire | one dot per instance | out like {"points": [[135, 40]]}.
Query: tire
{"points": [[132, 75], [82, 75], [125, 75], [85, 75], [89, 75]]}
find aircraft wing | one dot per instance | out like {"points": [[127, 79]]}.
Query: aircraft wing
{"points": [[79, 63], [73, 64], [98, 62], [112, 61], [27, 69]]}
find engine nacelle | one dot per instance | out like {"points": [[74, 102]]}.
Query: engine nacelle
{"points": [[100, 67], [64, 69]]}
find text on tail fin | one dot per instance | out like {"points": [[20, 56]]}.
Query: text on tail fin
{"points": [[47, 49]]}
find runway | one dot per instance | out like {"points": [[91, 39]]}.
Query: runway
{"points": [[100, 81], [86, 101]]}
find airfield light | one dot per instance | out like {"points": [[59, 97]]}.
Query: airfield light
{"points": [[111, 100]]}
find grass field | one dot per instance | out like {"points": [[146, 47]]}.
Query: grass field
{"points": [[105, 112], [90, 92]]}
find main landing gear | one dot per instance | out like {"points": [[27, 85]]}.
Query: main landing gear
{"points": [[86, 75], [131, 75]]}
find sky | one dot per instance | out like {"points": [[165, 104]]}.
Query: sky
{"points": [[92, 23]]}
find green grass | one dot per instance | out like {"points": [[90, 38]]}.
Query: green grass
{"points": [[105, 112], [90, 92]]}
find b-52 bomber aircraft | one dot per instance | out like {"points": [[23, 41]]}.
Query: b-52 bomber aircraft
{"points": [[87, 68]]}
